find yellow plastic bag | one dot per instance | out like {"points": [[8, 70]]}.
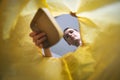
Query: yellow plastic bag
{"points": [[98, 59]]}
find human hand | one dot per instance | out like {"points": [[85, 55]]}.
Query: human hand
{"points": [[38, 38]]}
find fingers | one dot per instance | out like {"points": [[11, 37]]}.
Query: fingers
{"points": [[32, 34], [38, 38], [39, 42]]}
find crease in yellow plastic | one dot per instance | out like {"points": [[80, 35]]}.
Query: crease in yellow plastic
{"points": [[80, 63], [66, 69], [57, 7], [73, 5], [91, 29], [87, 21]]}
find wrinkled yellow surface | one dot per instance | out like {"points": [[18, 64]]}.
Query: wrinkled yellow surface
{"points": [[98, 59]]}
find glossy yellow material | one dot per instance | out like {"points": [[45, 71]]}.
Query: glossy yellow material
{"points": [[100, 29], [98, 59]]}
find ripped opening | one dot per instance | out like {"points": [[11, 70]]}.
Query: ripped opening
{"points": [[62, 47]]}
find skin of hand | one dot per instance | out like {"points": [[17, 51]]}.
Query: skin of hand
{"points": [[38, 39]]}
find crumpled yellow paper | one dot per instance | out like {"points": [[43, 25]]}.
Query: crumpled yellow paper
{"points": [[98, 59]]}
